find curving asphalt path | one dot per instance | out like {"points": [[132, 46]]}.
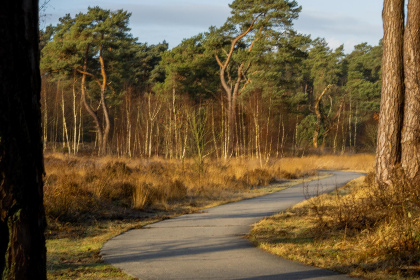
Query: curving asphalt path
{"points": [[211, 245]]}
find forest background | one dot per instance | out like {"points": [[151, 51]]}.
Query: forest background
{"points": [[253, 87]]}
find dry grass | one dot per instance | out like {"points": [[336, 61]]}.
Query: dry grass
{"points": [[88, 200], [362, 229], [81, 187], [359, 162]]}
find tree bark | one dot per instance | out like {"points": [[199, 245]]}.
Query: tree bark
{"points": [[233, 89], [410, 142], [88, 108], [22, 217], [107, 128], [388, 151]]}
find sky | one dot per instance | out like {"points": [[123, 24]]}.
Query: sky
{"points": [[348, 22]]}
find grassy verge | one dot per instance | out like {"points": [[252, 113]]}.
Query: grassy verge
{"points": [[90, 200], [361, 229], [74, 252]]}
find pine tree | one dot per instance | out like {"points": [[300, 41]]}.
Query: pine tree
{"points": [[92, 45], [246, 34], [410, 142]]}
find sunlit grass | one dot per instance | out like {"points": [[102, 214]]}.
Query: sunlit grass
{"points": [[360, 229], [359, 162], [90, 200], [74, 252]]}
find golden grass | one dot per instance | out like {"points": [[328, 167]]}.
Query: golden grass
{"points": [[359, 162], [362, 229], [80, 187], [88, 200]]}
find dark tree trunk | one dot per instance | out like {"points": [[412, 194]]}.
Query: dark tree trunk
{"points": [[22, 218], [388, 152], [319, 118], [410, 142]]}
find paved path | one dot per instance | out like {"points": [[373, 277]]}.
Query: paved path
{"points": [[211, 245]]}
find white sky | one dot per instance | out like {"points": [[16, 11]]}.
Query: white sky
{"points": [[347, 22]]}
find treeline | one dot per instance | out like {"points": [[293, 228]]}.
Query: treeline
{"points": [[253, 87]]}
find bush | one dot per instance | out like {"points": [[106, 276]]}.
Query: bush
{"points": [[174, 191], [65, 199], [386, 217], [257, 177], [144, 195]]}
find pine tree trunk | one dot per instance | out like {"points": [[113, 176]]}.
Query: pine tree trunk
{"points": [[388, 152], [92, 113], [107, 129], [22, 218], [410, 142], [319, 117]]}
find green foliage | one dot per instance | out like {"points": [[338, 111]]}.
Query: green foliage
{"points": [[245, 42], [101, 33], [281, 70], [325, 65], [268, 14], [189, 69], [364, 77], [145, 65], [305, 131]]}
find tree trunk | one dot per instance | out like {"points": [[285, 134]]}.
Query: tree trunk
{"points": [[88, 108], [388, 151], [45, 126], [103, 149], [74, 117], [336, 133], [319, 118], [410, 142], [216, 150], [350, 117], [128, 113], [79, 138], [233, 89], [22, 217], [356, 112]]}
